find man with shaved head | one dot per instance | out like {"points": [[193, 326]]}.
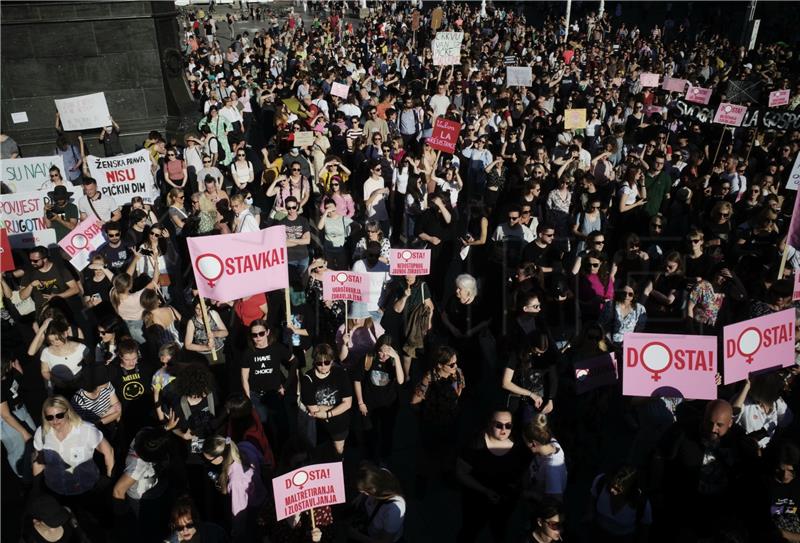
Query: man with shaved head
{"points": [[703, 469]]}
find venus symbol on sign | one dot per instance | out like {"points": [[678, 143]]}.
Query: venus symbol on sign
{"points": [[656, 358], [299, 479], [210, 267], [79, 241], [749, 343], [340, 277]]}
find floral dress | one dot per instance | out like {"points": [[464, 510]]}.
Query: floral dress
{"points": [[707, 303]]}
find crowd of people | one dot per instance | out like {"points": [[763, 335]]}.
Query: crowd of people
{"points": [[130, 415]]}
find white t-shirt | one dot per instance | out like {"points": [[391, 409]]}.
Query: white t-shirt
{"points": [[389, 518], [549, 473], [72, 361], [78, 447], [378, 210], [142, 472], [104, 205], [753, 418], [439, 104], [247, 222]]}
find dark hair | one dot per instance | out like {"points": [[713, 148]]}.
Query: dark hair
{"points": [[112, 226], [442, 355], [194, 380], [183, 508]]}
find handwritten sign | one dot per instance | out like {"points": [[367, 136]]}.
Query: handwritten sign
{"points": [[596, 372], [340, 90], [308, 487], [345, 285], [757, 344], [447, 48], [574, 119], [669, 365], [648, 79], [519, 76], [444, 135], [730, 114], [409, 261], [82, 241], [304, 138], [27, 174], [698, 95], [23, 212], [82, 112], [673, 84], [124, 175], [779, 97]]}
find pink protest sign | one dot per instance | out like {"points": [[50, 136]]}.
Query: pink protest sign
{"points": [[445, 135], [779, 98], [595, 372], [674, 85], [730, 114], [231, 266], [81, 241], [669, 365], [758, 344], [796, 289], [345, 285], [340, 90], [649, 79], [307, 488], [698, 95], [410, 261]]}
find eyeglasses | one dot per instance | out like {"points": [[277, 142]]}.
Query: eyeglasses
{"points": [[291, 208], [594, 264], [35, 260], [599, 241], [295, 169], [112, 236], [696, 240], [240, 154], [155, 234], [323, 362], [450, 364], [513, 217], [58, 416], [548, 235], [206, 162], [629, 293], [54, 175], [553, 524], [503, 425], [724, 215], [188, 526], [180, 197], [262, 333], [170, 154]]}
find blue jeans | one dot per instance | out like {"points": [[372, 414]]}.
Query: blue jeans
{"points": [[12, 440]]}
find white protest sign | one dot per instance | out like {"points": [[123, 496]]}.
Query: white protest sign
{"points": [[340, 90], [125, 176], [27, 174], [794, 178], [447, 48], [304, 138], [23, 212], [82, 112], [519, 76]]}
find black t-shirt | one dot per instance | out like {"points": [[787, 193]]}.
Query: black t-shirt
{"points": [[132, 386], [295, 230], [501, 473], [783, 502], [265, 367], [116, 257], [378, 383], [538, 374], [547, 256], [53, 281], [328, 391], [10, 390], [97, 289]]}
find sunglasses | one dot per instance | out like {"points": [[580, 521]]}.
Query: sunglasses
{"points": [[599, 242], [629, 294], [103, 332], [451, 364], [513, 217], [293, 169], [58, 416], [188, 526], [240, 155], [553, 524], [155, 234], [170, 154], [594, 264], [334, 184], [696, 241], [206, 162], [35, 261], [291, 208], [323, 362], [724, 215], [503, 426], [54, 175], [262, 333], [117, 235]]}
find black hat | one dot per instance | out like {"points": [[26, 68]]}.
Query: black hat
{"points": [[46, 509], [60, 192], [150, 444]]}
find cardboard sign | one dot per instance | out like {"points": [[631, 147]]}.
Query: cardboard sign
{"points": [[648, 79], [415, 21], [447, 48], [6, 257], [84, 239], [82, 112], [796, 289], [779, 97], [436, 18], [124, 176], [574, 119], [304, 138], [730, 114], [595, 372], [28, 174], [307, 488], [758, 344], [23, 212], [669, 365], [345, 285], [232, 266], [337, 89], [794, 176], [698, 95], [519, 76], [650, 110], [409, 261], [674, 85], [29, 240], [444, 135]]}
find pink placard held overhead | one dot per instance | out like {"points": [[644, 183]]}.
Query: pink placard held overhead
{"points": [[730, 114], [779, 97], [82, 241], [758, 344], [340, 90], [307, 488], [345, 285], [231, 266], [409, 261], [649, 79], [674, 85], [698, 95], [669, 365], [445, 135]]}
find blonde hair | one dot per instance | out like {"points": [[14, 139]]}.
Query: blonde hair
{"points": [[61, 403], [172, 195], [538, 430], [121, 285], [220, 446], [237, 199]]}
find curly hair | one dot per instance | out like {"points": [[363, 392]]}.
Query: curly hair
{"points": [[194, 380]]}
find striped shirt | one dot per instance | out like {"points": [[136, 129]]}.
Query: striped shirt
{"points": [[93, 409]]}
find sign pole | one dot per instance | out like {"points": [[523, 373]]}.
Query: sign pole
{"points": [[313, 520], [288, 302], [724, 130], [784, 257], [345, 316], [752, 144], [207, 323]]}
